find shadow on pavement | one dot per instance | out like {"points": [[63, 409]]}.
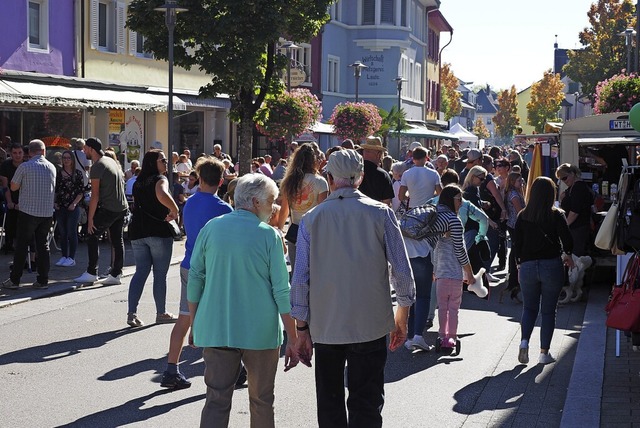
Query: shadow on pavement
{"points": [[64, 348], [131, 411], [467, 398]]}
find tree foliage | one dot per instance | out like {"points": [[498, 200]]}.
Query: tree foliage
{"points": [[604, 51], [546, 97], [506, 120], [450, 99], [234, 42], [480, 130], [389, 124]]}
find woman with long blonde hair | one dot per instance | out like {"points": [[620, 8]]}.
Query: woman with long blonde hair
{"points": [[302, 188]]}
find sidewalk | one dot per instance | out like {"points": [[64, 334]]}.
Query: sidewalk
{"points": [[61, 278]]}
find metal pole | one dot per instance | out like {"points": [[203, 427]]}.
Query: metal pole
{"points": [[171, 23], [357, 75], [628, 40], [399, 106], [637, 56], [289, 69]]}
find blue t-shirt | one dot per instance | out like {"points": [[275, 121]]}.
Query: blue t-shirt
{"points": [[198, 210]]}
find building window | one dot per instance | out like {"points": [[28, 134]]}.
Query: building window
{"points": [[387, 12], [136, 45], [418, 83], [302, 58], [107, 25], [488, 121], [38, 24], [368, 12], [333, 75], [335, 11], [403, 13]]}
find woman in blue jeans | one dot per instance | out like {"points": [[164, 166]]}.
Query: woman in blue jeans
{"points": [[151, 237], [542, 244], [69, 193]]}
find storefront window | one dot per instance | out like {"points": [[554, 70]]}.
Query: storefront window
{"points": [[10, 125], [191, 133]]}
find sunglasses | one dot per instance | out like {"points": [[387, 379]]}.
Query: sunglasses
{"points": [[564, 178], [66, 158], [481, 177], [163, 160]]}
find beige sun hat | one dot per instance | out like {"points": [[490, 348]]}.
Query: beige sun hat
{"points": [[373, 143]]}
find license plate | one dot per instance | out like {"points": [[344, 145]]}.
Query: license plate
{"points": [[619, 125]]}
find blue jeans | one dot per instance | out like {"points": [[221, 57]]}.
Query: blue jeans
{"points": [[68, 229], [541, 282], [365, 376], [423, 275], [148, 252]]}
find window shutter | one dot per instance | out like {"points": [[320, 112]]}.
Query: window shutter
{"points": [[120, 30], [368, 12], [386, 13], [133, 39], [93, 33]]}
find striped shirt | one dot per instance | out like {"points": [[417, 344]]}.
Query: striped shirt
{"points": [[450, 252], [37, 180]]}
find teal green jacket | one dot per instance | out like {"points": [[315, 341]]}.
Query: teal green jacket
{"points": [[239, 279]]}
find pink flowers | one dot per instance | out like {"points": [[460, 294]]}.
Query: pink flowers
{"points": [[617, 94], [289, 113], [356, 121]]}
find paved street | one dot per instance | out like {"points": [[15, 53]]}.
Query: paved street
{"points": [[71, 360]]}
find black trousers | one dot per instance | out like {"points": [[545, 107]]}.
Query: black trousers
{"points": [[114, 222], [30, 227], [365, 378]]}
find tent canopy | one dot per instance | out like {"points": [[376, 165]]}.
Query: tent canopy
{"points": [[462, 134]]}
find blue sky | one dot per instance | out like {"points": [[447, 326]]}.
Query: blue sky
{"points": [[509, 42]]}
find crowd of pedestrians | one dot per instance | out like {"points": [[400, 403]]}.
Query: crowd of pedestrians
{"points": [[340, 212]]}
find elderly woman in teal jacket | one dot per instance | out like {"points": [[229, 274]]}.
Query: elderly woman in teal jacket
{"points": [[238, 295]]}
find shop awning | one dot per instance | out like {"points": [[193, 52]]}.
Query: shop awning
{"points": [[18, 92], [423, 132], [195, 101], [609, 140]]}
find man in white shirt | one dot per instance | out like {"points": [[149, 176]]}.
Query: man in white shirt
{"points": [[422, 183]]}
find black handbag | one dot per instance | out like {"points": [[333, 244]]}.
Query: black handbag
{"points": [[292, 233]]}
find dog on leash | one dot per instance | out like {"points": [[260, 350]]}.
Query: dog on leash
{"points": [[573, 291]]}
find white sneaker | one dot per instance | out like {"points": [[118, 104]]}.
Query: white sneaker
{"points": [[546, 358], [409, 344], [61, 262], [112, 280], [86, 278], [419, 343], [69, 262]]}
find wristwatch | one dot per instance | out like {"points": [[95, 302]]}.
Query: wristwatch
{"points": [[303, 328]]}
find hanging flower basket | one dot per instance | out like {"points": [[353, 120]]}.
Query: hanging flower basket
{"points": [[617, 94], [355, 121], [289, 113]]}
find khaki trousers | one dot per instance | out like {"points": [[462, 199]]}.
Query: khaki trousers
{"points": [[220, 375]]}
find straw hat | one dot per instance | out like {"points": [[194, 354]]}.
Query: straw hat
{"points": [[373, 143]]}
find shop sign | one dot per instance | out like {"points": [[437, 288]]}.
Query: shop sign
{"points": [[297, 77]]}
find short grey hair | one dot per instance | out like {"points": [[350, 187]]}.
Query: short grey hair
{"points": [[340, 183], [217, 146], [398, 167], [251, 186], [36, 146]]}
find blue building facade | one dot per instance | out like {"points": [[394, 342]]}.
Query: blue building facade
{"points": [[390, 38]]}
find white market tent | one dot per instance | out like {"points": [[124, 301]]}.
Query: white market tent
{"points": [[462, 134]]}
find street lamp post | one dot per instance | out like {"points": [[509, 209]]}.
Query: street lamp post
{"points": [[576, 97], [357, 70], [170, 9], [399, 81], [637, 53], [289, 46], [628, 41]]}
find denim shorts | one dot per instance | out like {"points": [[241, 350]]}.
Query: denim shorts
{"points": [[184, 277]]}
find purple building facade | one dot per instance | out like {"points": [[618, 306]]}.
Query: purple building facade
{"points": [[38, 36]]}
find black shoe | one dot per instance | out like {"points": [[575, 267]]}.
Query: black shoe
{"points": [[174, 381], [39, 286], [10, 284], [242, 377]]}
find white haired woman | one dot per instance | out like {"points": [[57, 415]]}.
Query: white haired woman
{"points": [[238, 297]]}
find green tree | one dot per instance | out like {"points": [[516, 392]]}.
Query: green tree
{"points": [[546, 97], [480, 130], [450, 100], [604, 51], [235, 42], [389, 123], [506, 120]]}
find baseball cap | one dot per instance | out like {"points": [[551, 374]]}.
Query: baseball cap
{"points": [[473, 155], [95, 144]]}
